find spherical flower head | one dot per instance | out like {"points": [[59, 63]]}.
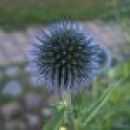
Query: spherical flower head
{"points": [[66, 56]]}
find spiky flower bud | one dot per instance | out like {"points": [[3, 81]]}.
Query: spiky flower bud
{"points": [[66, 56]]}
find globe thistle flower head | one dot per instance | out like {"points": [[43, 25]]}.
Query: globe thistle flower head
{"points": [[66, 56]]}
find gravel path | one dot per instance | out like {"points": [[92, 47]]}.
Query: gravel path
{"points": [[14, 45]]}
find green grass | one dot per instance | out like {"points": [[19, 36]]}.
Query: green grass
{"points": [[19, 13], [108, 110]]}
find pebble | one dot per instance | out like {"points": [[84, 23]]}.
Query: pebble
{"points": [[33, 119], [15, 125], [32, 100], [12, 88], [12, 71], [46, 112], [11, 110]]}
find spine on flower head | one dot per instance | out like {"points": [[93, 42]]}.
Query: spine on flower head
{"points": [[66, 56]]}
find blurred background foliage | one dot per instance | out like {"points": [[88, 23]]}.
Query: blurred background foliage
{"points": [[19, 13], [33, 105]]}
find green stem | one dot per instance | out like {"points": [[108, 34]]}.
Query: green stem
{"points": [[67, 98], [94, 89], [102, 102]]}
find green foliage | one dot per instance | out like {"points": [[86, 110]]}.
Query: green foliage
{"points": [[19, 13], [109, 110]]}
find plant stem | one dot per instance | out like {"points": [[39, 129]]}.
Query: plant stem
{"points": [[103, 100], [94, 89], [71, 119]]}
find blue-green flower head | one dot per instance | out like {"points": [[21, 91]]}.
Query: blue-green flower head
{"points": [[66, 56]]}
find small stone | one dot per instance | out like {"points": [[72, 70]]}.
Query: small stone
{"points": [[15, 125], [46, 112], [12, 88], [10, 111], [32, 100], [12, 71], [33, 120]]}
